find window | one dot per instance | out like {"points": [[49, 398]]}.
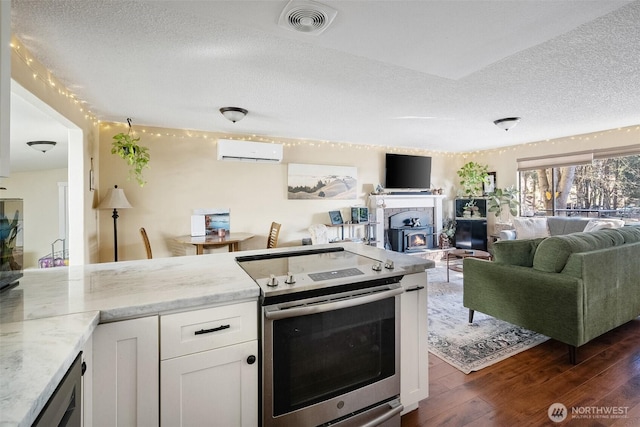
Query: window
{"points": [[607, 186]]}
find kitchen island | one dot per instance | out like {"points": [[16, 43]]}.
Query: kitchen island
{"points": [[71, 301]]}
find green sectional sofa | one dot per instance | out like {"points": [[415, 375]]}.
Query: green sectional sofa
{"points": [[571, 287]]}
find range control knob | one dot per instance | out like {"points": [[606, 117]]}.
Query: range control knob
{"points": [[273, 282], [377, 266], [290, 280], [389, 265]]}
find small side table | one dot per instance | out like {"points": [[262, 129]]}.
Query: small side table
{"points": [[460, 254]]}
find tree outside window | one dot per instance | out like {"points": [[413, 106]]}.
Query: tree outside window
{"points": [[606, 187]]}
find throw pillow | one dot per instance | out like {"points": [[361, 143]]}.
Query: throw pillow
{"points": [[530, 228], [599, 224]]}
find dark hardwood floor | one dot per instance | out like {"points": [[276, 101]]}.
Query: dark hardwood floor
{"points": [[518, 391]]}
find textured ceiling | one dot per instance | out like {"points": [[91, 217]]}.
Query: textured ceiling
{"points": [[423, 74]]}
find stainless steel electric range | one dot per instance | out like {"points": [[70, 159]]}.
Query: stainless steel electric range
{"points": [[330, 337]]}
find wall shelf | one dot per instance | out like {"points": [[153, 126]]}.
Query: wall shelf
{"points": [[369, 237]]}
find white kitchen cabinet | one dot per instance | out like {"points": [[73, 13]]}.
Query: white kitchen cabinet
{"points": [[209, 367], [215, 387], [126, 373], [414, 358]]}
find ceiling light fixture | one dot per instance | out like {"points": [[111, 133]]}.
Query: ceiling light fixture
{"points": [[507, 123], [233, 113], [43, 146]]}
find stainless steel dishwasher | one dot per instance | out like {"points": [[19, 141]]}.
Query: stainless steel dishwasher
{"points": [[64, 407]]}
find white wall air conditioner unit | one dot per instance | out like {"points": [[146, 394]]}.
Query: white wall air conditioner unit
{"points": [[249, 151]]}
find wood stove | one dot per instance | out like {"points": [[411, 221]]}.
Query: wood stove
{"points": [[410, 231]]}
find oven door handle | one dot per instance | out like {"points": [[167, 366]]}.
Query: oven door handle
{"points": [[396, 408], [276, 313]]}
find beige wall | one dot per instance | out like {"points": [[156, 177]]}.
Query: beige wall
{"points": [[39, 190], [185, 174]]}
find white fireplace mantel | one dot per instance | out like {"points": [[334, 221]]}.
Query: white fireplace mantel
{"points": [[379, 202]]}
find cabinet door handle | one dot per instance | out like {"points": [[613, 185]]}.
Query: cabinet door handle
{"points": [[417, 288], [208, 331], [251, 359]]}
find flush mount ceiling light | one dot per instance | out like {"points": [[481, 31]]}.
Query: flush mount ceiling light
{"points": [[233, 113], [43, 146], [507, 123], [306, 17]]}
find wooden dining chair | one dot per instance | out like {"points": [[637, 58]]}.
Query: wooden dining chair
{"points": [[272, 238], [145, 240]]}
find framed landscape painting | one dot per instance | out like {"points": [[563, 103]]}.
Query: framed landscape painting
{"points": [[307, 182]]}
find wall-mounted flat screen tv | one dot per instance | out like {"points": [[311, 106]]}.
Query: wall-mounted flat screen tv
{"points": [[404, 171]]}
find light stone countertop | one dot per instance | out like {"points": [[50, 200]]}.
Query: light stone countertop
{"points": [[47, 319], [34, 356]]}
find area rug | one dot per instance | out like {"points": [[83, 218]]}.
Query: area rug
{"points": [[470, 347]]}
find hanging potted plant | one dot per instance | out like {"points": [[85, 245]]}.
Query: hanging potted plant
{"points": [[503, 202], [136, 156], [473, 175]]}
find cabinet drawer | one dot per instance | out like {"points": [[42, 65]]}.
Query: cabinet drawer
{"points": [[206, 329]]}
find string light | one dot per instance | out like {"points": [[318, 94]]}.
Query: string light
{"points": [[49, 79], [290, 143]]}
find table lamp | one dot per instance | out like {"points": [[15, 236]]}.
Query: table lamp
{"points": [[115, 199]]}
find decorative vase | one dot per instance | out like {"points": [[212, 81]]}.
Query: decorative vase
{"points": [[466, 214], [445, 243]]}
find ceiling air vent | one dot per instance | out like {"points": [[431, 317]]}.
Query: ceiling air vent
{"points": [[306, 17]]}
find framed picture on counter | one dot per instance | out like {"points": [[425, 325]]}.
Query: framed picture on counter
{"points": [[335, 217]]}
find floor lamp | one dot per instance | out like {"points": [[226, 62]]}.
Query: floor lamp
{"points": [[115, 199]]}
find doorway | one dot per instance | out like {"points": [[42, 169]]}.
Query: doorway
{"points": [[33, 119]]}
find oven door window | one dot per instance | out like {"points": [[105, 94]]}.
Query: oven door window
{"points": [[323, 355]]}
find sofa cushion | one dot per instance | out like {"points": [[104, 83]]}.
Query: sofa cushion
{"points": [[564, 225], [631, 234], [552, 253], [599, 224], [530, 228], [611, 233], [515, 252]]}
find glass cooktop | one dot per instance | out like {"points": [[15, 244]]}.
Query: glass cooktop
{"points": [[322, 264], [296, 271]]}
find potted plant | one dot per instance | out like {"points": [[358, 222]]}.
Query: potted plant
{"points": [[470, 209], [447, 233], [136, 156], [501, 201], [8, 234], [473, 175]]}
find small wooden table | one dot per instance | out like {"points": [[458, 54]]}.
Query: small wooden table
{"points": [[461, 254], [231, 240]]}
